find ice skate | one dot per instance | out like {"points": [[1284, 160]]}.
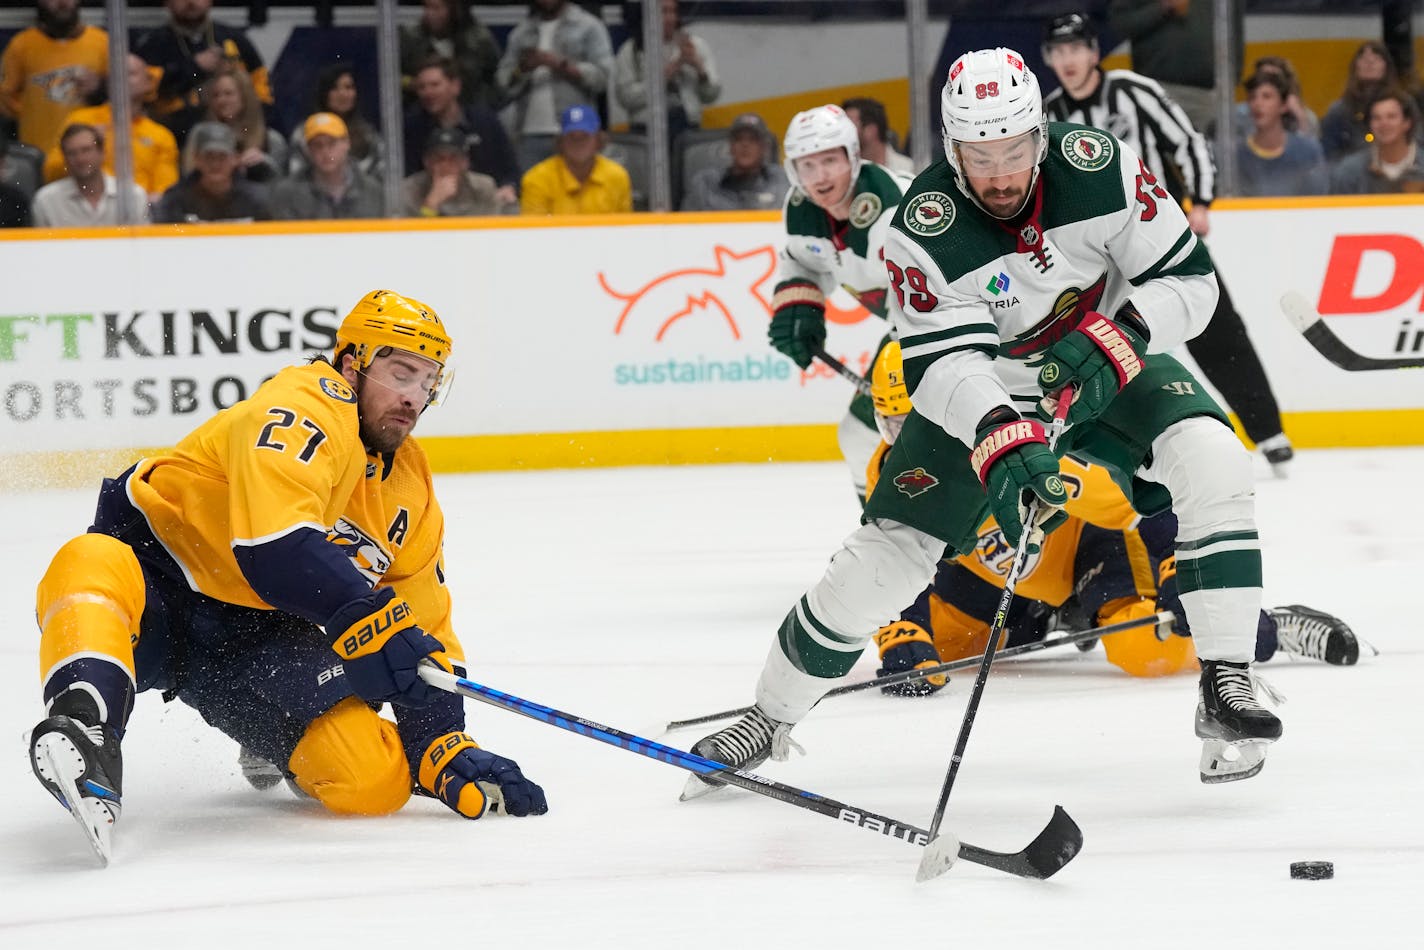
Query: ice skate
{"points": [[743, 745], [260, 773], [1278, 451], [80, 765], [1316, 635], [1234, 728]]}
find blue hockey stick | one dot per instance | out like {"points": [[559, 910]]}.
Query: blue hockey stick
{"points": [[1054, 847]]}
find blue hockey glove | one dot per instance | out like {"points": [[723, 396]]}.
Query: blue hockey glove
{"points": [[1014, 464], [798, 320], [471, 781], [381, 648], [907, 646], [1098, 359]]}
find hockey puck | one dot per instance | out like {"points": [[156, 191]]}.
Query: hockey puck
{"points": [[1312, 870]]}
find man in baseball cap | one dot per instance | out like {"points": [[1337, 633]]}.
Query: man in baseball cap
{"points": [[331, 186], [576, 179], [210, 191], [751, 179]]}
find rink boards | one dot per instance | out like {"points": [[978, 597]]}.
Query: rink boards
{"points": [[635, 339]]}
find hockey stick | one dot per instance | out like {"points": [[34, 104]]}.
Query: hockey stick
{"points": [[939, 856], [1306, 319], [1054, 847], [1159, 619], [860, 382]]}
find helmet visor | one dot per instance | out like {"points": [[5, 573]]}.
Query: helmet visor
{"points": [[998, 158]]}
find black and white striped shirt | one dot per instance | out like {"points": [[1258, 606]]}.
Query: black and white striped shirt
{"points": [[1136, 110]]}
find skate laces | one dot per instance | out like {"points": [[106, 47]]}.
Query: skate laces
{"points": [[95, 733], [754, 734], [1236, 687], [1306, 633]]}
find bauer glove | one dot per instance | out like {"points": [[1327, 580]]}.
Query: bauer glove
{"points": [[471, 781], [1014, 464], [381, 648], [798, 320], [906, 646], [1098, 359]]}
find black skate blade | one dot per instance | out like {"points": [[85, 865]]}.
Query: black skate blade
{"points": [[1058, 843], [54, 763]]}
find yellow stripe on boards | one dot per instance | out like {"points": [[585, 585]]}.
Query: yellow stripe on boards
{"points": [[33, 471]]}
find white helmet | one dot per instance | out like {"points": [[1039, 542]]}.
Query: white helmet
{"points": [[816, 130], [990, 96]]}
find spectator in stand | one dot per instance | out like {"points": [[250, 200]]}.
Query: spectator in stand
{"points": [[1272, 160], [1299, 118], [229, 98], [874, 127], [753, 180], [1174, 42], [447, 188], [1391, 163], [336, 93], [576, 179], [331, 186], [449, 29], [213, 191], [437, 90], [49, 69], [14, 207], [155, 152], [1344, 129], [87, 197], [192, 48], [559, 56], [688, 68]]}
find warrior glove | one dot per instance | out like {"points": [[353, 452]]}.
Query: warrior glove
{"points": [[1098, 359], [381, 648], [471, 781], [798, 320], [1014, 464]]}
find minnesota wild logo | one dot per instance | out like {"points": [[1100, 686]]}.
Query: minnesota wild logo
{"points": [[1069, 309], [929, 214], [1088, 149]]}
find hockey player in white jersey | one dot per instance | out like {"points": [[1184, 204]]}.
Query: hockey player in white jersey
{"points": [[837, 215], [1036, 256]]}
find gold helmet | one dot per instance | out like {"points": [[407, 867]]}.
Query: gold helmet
{"points": [[888, 391], [385, 318]]}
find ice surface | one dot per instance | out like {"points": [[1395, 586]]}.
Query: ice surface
{"points": [[636, 596]]}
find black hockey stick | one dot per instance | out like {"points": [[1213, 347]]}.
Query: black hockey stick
{"points": [[940, 854], [1159, 619], [1305, 318], [860, 382], [1054, 847]]}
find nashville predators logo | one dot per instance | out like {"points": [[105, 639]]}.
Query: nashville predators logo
{"points": [[929, 214], [1068, 311], [915, 482], [363, 550], [337, 389], [1088, 149]]}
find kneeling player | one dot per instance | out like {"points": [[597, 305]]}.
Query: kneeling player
{"points": [[1104, 566], [211, 571]]}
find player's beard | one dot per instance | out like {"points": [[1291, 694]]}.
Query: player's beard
{"points": [[55, 26], [382, 436]]}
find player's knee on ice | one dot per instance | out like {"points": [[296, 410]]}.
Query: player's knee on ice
{"points": [[351, 760]]}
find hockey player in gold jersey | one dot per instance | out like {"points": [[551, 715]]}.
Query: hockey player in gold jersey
{"points": [[211, 572], [1105, 565]]}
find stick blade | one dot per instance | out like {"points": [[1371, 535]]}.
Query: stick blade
{"points": [[1299, 311], [1057, 844], [940, 855]]}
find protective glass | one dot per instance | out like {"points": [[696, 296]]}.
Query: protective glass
{"points": [[420, 380], [889, 427], [999, 158]]}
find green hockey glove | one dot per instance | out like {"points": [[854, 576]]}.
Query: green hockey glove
{"points": [[1098, 358], [1014, 464], [798, 320]]}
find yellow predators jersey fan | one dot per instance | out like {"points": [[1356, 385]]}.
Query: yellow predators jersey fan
{"points": [[385, 318]]}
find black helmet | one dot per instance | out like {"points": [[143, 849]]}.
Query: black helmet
{"points": [[1068, 28]]}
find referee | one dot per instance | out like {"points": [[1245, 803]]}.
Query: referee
{"points": [[1136, 110]]}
